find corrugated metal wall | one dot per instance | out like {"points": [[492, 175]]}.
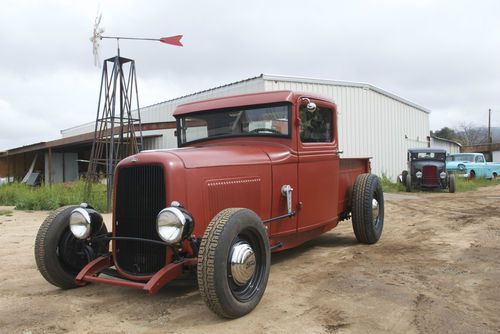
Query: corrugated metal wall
{"points": [[152, 143], [495, 156], [370, 124], [162, 112], [451, 148], [64, 167]]}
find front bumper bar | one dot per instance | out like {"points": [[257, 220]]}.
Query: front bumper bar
{"points": [[89, 274]]}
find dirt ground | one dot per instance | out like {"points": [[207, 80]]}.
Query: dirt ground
{"points": [[436, 269]]}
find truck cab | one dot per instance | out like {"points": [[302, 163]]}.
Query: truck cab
{"points": [[291, 145], [253, 174]]}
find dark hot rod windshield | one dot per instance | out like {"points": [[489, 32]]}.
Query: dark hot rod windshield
{"points": [[272, 120], [428, 155]]}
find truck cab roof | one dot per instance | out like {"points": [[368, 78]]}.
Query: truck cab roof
{"points": [[245, 100], [425, 150]]}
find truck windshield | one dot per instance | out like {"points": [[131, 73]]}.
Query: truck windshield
{"points": [[272, 120], [461, 157]]}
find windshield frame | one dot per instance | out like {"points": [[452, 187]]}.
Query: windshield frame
{"points": [[180, 118]]}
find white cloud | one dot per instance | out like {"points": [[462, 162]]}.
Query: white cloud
{"points": [[442, 55]]}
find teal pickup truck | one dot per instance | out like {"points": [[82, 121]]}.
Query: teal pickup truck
{"points": [[471, 165]]}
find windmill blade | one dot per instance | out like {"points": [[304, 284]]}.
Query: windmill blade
{"points": [[96, 39]]}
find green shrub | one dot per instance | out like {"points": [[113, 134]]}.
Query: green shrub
{"points": [[463, 184], [389, 186], [24, 197]]}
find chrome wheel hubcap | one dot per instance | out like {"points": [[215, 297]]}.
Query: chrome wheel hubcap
{"points": [[242, 262], [375, 209]]}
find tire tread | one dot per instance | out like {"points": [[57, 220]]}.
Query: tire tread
{"points": [[206, 261], [363, 190], [40, 249]]}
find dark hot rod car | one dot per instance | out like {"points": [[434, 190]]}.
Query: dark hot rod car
{"points": [[427, 169]]}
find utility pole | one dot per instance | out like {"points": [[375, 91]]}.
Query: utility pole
{"points": [[490, 140]]}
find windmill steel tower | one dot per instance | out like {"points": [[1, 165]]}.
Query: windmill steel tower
{"points": [[118, 130]]}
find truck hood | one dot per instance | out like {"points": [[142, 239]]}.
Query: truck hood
{"points": [[221, 155]]}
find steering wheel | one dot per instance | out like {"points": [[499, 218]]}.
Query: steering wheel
{"points": [[259, 130]]}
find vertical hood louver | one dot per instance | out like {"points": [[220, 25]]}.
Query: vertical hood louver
{"points": [[140, 195]]}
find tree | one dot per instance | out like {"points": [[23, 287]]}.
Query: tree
{"points": [[470, 134], [446, 133]]}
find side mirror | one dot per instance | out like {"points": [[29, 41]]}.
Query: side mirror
{"points": [[311, 106]]}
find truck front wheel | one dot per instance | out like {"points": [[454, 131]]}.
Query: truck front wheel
{"points": [[408, 183], [233, 262], [451, 183], [59, 255], [368, 208]]}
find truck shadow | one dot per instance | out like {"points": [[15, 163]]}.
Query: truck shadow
{"points": [[328, 240], [188, 283]]}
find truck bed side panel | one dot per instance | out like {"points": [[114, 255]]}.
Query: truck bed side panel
{"points": [[350, 168]]}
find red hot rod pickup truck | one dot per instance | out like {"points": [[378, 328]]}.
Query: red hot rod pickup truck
{"points": [[253, 174]]}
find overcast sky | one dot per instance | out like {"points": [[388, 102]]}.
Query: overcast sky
{"points": [[443, 55]]}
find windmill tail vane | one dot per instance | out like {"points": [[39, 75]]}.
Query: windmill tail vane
{"points": [[97, 36], [172, 40]]}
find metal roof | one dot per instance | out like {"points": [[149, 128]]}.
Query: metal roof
{"points": [[344, 84], [447, 140], [276, 77]]}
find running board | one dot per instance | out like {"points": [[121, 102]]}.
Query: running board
{"points": [[278, 245]]}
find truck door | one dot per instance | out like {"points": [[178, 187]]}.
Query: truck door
{"points": [[318, 166]]}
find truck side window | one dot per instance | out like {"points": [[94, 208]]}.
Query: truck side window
{"points": [[315, 126], [479, 159]]}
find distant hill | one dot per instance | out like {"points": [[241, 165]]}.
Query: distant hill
{"points": [[495, 134]]}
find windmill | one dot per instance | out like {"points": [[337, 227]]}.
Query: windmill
{"points": [[118, 128]]}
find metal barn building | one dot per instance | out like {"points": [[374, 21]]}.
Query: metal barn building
{"points": [[450, 146], [372, 122]]}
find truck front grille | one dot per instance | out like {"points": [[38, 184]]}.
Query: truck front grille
{"points": [[430, 176], [140, 195]]}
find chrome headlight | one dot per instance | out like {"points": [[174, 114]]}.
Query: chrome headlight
{"points": [[442, 175], [418, 174], [461, 166], [80, 223], [174, 224]]}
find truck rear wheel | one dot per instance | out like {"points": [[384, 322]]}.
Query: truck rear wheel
{"points": [[233, 262], [368, 208], [59, 255]]}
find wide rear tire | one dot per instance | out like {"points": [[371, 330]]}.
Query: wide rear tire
{"points": [[229, 289], [368, 208], [59, 255]]}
